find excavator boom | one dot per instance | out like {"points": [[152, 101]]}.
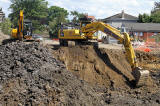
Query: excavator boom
{"points": [[20, 23]]}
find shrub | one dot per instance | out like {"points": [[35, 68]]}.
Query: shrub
{"points": [[6, 26]]}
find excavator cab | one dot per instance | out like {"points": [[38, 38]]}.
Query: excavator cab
{"points": [[84, 21], [27, 31]]}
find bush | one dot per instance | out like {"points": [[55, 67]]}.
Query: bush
{"points": [[0, 25], [6, 27]]}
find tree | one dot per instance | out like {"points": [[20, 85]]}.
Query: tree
{"points": [[55, 11], [76, 15], [6, 26], [156, 7], [155, 13], [34, 10], [144, 18], [155, 17], [56, 16]]}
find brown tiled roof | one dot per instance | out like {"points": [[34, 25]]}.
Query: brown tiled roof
{"points": [[91, 17]]}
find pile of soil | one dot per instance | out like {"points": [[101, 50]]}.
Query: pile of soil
{"points": [[107, 67], [30, 75], [150, 61], [146, 57]]}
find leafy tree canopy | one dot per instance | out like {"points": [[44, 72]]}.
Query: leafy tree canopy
{"points": [[56, 16], [156, 7], [154, 17], [55, 11], [35, 10], [144, 18], [6, 26], [76, 15]]}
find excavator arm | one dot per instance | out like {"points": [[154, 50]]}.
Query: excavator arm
{"points": [[17, 33], [20, 23], [109, 30], [139, 74]]}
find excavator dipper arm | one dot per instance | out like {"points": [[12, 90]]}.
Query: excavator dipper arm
{"points": [[20, 26], [139, 74]]}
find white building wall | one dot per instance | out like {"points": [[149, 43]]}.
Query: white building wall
{"points": [[1, 18], [2, 15]]}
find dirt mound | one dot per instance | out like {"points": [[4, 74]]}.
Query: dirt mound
{"points": [[148, 61], [97, 66], [109, 68], [29, 75]]}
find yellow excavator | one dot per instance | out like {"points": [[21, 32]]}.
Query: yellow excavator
{"points": [[24, 30], [72, 35]]}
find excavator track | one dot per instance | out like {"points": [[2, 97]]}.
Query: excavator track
{"points": [[71, 43]]}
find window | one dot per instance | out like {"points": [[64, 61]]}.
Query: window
{"points": [[155, 33], [136, 33], [141, 34]]}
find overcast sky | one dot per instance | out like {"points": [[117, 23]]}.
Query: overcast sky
{"points": [[98, 8]]}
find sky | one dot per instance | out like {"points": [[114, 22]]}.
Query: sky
{"points": [[98, 8]]}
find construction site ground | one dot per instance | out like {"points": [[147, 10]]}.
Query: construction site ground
{"points": [[44, 73]]}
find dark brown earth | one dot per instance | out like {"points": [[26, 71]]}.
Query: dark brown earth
{"points": [[30, 75], [74, 76], [109, 68], [95, 66]]}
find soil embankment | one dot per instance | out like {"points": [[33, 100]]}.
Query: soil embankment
{"points": [[109, 68]]}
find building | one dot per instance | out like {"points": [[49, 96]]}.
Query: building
{"points": [[119, 19], [2, 15], [142, 31]]}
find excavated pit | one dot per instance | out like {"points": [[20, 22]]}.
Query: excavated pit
{"points": [[109, 68], [106, 67]]}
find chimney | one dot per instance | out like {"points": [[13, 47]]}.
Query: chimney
{"points": [[122, 14]]}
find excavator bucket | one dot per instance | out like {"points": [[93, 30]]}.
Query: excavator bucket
{"points": [[141, 76]]}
